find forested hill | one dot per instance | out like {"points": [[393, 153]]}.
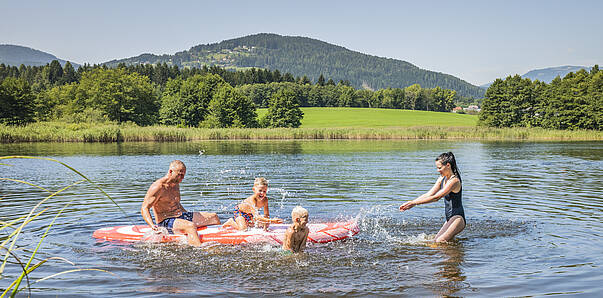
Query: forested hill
{"points": [[305, 56], [16, 55]]}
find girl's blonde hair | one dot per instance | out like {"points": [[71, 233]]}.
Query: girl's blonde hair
{"points": [[261, 181]]}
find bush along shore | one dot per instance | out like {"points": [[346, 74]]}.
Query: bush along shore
{"points": [[67, 132]]}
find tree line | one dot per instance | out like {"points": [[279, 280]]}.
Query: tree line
{"points": [[572, 102], [206, 97]]}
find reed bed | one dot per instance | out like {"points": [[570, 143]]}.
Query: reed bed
{"points": [[66, 132]]}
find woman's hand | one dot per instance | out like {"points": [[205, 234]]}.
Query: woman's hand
{"points": [[277, 220], [407, 205]]}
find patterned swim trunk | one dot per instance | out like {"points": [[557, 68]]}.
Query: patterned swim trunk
{"points": [[169, 222], [247, 216]]}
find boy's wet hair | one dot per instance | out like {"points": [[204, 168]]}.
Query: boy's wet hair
{"points": [[298, 211], [260, 181]]}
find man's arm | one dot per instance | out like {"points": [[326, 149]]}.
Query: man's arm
{"points": [[149, 200]]}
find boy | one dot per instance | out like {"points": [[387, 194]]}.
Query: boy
{"points": [[297, 234], [246, 214]]}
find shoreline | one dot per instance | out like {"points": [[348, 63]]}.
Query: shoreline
{"points": [[109, 133]]}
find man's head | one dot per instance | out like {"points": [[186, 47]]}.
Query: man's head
{"points": [[260, 187], [177, 171], [299, 215]]}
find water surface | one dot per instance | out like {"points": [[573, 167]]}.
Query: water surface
{"points": [[534, 213]]}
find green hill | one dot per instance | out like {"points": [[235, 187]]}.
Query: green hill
{"points": [[378, 118], [305, 56], [16, 55]]}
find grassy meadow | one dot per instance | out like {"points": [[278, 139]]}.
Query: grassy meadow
{"points": [[379, 118], [318, 123]]}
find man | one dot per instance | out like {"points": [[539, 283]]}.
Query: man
{"points": [[164, 197]]}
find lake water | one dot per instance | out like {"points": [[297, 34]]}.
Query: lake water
{"points": [[534, 213]]}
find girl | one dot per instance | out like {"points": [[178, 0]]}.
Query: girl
{"points": [[448, 186]]}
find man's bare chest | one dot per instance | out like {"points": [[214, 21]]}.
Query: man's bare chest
{"points": [[169, 197]]}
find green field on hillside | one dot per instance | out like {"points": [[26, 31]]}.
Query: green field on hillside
{"points": [[378, 118]]}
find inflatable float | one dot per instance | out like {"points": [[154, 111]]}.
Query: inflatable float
{"points": [[319, 233]]}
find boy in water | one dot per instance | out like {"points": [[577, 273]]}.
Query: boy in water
{"points": [[297, 234], [246, 214]]}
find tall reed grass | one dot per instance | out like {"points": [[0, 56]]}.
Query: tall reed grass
{"points": [[9, 244], [65, 132]]}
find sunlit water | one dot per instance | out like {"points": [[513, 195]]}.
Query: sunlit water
{"points": [[534, 213]]}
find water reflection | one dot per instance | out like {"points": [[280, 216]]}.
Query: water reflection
{"points": [[246, 147], [450, 269]]}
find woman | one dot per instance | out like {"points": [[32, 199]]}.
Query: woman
{"points": [[448, 186]]}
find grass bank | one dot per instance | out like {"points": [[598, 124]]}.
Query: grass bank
{"points": [[65, 132]]}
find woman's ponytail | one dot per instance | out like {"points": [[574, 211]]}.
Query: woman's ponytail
{"points": [[448, 158]]}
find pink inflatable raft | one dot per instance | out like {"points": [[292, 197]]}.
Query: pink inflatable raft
{"points": [[319, 233]]}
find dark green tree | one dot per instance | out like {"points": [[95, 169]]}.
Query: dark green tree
{"points": [[284, 110], [288, 77], [230, 108], [443, 99], [122, 97], [492, 104], [69, 74], [16, 102], [185, 102], [413, 97], [321, 80], [55, 72], [595, 98]]}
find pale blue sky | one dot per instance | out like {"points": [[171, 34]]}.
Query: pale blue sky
{"points": [[477, 41]]}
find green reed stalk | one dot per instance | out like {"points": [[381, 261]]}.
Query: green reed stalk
{"points": [[16, 233], [28, 267]]}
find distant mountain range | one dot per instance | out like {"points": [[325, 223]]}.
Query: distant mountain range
{"points": [[548, 74], [16, 55], [305, 56]]}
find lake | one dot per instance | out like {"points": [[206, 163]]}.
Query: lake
{"points": [[534, 218]]}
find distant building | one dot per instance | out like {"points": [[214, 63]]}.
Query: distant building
{"points": [[472, 109], [456, 109]]}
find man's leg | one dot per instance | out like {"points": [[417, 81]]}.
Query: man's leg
{"points": [[182, 226], [202, 219]]}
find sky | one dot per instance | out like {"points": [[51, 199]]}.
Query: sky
{"points": [[477, 41]]}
